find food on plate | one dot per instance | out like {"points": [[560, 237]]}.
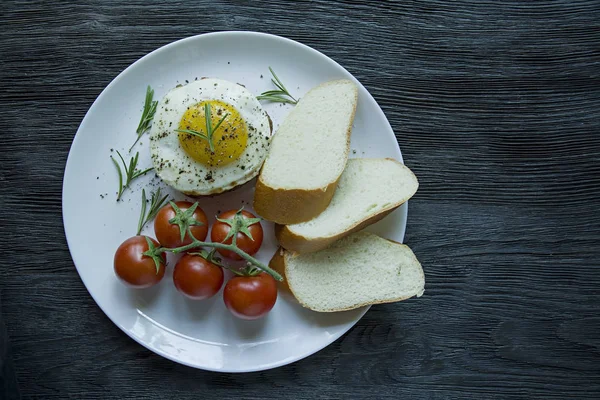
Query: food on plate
{"points": [[173, 221], [209, 136], [238, 224], [250, 296], [135, 266], [308, 154], [368, 190], [178, 217], [212, 135], [249, 235], [355, 271], [197, 276]]}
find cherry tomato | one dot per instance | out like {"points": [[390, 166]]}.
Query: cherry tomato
{"points": [[133, 267], [221, 229], [196, 277], [250, 297], [169, 235]]}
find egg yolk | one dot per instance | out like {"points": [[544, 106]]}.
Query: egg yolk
{"points": [[229, 139]]}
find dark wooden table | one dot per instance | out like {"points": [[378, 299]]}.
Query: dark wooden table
{"points": [[496, 106]]}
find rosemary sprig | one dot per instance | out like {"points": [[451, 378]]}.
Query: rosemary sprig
{"points": [[131, 172], [147, 115], [277, 96], [156, 203], [209, 128]]}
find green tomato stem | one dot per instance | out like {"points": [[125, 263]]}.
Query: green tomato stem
{"points": [[197, 243]]}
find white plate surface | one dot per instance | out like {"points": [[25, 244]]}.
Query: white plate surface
{"points": [[202, 334]]}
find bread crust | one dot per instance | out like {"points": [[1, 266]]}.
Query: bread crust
{"points": [[290, 240], [285, 206], [292, 206], [279, 263]]}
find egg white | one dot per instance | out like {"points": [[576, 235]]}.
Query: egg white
{"points": [[180, 171]]}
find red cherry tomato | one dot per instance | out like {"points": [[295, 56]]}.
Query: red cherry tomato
{"points": [[250, 297], [221, 229], [196, 277], [169, 235], [133, 267]]}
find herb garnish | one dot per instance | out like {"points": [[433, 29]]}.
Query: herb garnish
{"points": [[156, 203], [147, 115], [209, 128], [131, 172], [277, 95]]}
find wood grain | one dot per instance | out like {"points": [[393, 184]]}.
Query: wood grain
{"points": [[9, 389], [496, 106]]}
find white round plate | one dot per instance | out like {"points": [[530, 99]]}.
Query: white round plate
{"points": [[202, 334]]}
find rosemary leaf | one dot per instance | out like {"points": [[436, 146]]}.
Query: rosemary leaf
{"points": [[192, 132], [156, 203], [276, 99], [281, 95], [147, 115], [120, 176], [143, 213], [131, 172]]}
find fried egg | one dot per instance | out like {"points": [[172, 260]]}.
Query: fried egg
{"points": [[182, 154]]}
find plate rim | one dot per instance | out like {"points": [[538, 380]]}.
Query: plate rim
{"points": [[77, 137]]}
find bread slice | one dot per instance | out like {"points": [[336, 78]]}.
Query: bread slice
{"points": [[355, 271], [368, 190], [308, 154]]}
